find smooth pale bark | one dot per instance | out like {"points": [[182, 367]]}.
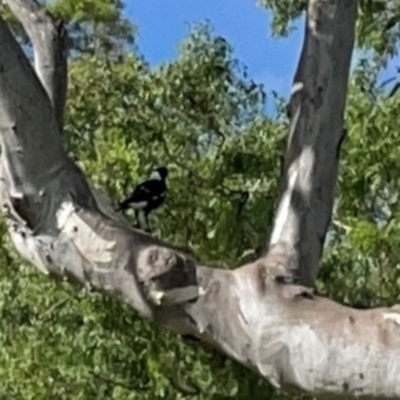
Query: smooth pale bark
{"points": [[49, 41], [281, 331], [316, 110]]}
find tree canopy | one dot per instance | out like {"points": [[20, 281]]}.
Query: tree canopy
{"points": [[203, 116]]}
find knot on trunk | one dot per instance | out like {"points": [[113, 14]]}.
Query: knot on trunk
{"points": [[167, 277]]}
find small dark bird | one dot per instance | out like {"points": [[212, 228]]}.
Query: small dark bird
{"points": [[147, 196]]}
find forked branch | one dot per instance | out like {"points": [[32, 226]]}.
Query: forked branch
{"points": [[282, 331]]}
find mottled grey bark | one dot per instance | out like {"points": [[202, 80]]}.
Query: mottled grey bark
{"points": [[316, 110], [281, 331], [48, 37]]}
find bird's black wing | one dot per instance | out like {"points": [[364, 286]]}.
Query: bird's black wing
{"points": [[143, 194]]}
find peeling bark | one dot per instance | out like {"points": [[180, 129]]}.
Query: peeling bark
{"points": [[316, 110], [282, 331]]}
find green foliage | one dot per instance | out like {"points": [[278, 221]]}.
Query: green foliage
{"points": [[95, 27], [202, 116], [284, 13], [377, 30], [378, 27], [362, 260], [87, 10]]}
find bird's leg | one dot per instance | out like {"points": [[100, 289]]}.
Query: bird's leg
{"points": [[137, 225], [146, 217]]}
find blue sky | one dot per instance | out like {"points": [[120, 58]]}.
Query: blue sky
{"points": [[163, 24]]}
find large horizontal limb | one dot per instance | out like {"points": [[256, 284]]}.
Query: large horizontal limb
{"points": [[283, 332]]}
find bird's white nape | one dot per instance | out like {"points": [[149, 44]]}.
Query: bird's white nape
{"points": [[139, 205], [156, 176]]}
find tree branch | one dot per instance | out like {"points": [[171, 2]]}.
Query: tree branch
{"points": [[283, 332], [316, 110], [49, 40]]}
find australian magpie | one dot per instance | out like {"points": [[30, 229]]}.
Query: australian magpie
{"points": [[147, 196]]}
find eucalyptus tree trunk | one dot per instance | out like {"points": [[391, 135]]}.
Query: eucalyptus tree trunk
{"points": [[258, 314], [316, 110]]}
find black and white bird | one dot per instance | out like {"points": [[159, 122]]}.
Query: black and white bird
{"points": [[147, 196]]}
